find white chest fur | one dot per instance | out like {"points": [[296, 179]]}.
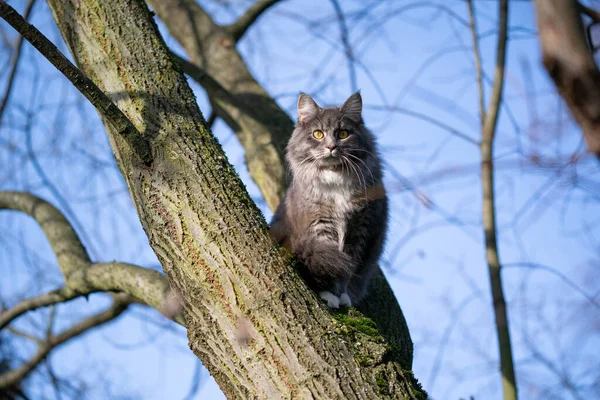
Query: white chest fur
{"points": [[333, 178], [335, 187]]}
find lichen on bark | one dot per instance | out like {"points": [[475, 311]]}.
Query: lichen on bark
{"points": [[212, 240]]}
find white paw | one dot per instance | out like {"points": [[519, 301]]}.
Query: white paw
{"points": [[345, 300], [332, 300]]}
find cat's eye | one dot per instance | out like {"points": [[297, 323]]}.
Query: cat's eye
{"points": [[343, 134], [318, 134]]}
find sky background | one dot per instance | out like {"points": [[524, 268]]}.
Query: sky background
{"points": [[415, 69]]}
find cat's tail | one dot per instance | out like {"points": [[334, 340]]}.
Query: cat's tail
{"points": [[323, 264]]}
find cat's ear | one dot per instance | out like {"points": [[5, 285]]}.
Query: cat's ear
{"points": [[306, 107], [352, 108]]}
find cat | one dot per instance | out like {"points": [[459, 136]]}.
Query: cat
{"points": [[334, 215]]}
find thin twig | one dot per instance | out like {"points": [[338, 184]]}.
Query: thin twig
{"points": [[56, 296], [590, 12], [204, 79], [489, 209], [425, 118], [14, 376], [15, 63], [243, 23], [23, 334], [346, 43], [478, 69], [101, 101]]}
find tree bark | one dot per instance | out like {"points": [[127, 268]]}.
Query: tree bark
{"points": [[227, 79], [261, 126], [256, 326]]}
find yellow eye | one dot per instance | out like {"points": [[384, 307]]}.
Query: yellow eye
{"points": [[343, 134], [318, 135]]}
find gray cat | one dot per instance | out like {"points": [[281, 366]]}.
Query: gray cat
{"points": [[334, 214]]}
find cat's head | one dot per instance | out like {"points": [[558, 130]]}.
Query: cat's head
{"points": [[328, 140]]}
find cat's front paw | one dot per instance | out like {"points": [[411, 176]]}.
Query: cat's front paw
{"points": [[332, 300], [345, 300]]}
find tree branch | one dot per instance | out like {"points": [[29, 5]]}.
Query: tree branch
{"points": [[590, 12], [478, 70], [570, 63], [217, 92], [56, 296], [346, 43], [81, 276], [65, 243], [243, 23], [15, 63], [12, 377], [207, 46], [210, 237], [489, 209], [261, 126], [139, 145]]}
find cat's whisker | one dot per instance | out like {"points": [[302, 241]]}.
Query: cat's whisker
{"points": [[359, 175], [364, 151], [343, 166], [366, 166]]}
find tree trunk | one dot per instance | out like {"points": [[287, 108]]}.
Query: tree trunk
{"points": [[253, 322]]}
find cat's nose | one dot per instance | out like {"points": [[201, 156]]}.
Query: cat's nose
{"points": [[331, 148]]}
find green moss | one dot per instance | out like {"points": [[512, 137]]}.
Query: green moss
{"points": [[382, 383], [356, 322], [373, 352], [361, 324]]}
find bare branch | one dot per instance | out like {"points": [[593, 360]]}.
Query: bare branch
{"points": [[570, 64], [56, 296], [192, 234], [15, 63], [14, 376], [261, 126], [147, 285], [81, 276], [139, 145], [64, 241], [425, 118], [489, 123], [478, 70], [243, 23], [212, 118], [217, 92], [25, 335], [590, 12], [568, 281], [346, 43]]}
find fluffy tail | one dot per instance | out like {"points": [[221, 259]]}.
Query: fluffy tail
{"points": [[324, 264]]}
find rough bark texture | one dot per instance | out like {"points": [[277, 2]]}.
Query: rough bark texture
{"points": [[262, 127], [570, 64], [226, 78], [256, 326]]}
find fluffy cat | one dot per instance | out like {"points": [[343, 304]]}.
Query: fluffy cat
{"points": [[335, 212]]}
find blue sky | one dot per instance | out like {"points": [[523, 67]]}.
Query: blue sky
{"points": [[412, 61]]}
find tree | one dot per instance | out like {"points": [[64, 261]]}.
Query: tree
{"points": [[506, 144], [212, 241]]}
